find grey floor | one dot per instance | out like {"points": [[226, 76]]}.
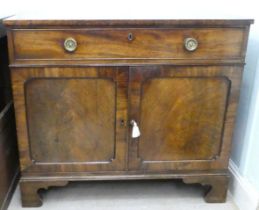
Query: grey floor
{"points": [[125, 195]]}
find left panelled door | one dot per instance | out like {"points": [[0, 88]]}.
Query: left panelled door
{"points": [[71, 119]]}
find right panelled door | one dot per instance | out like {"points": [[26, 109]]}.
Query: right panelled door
{"points": [[185, 116]]}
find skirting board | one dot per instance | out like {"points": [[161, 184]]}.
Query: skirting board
{"points": [[244, 194], [11, 190]]}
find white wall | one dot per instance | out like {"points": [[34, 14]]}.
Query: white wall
{"points": [[245, 153], [246, 145], [134, 8]]}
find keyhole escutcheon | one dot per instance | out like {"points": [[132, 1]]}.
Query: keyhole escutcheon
{"points": [[130, 37]]}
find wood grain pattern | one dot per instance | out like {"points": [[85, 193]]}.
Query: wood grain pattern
{"points": [[16, 22], [218, 185], [29, 191], [67, 127], [184, 102], [114, 44], [216, 120], [186, 116], [77, 119]]}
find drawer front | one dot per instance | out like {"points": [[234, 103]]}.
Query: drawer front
{"points": [[213, 43]]}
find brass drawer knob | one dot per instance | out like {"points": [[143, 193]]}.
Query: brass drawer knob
{"points": [[190, 44], [70, 44]]}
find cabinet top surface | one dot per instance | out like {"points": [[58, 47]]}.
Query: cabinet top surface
{"points": [[38, 21]]}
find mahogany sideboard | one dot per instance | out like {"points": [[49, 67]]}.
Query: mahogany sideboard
{"points": [[125, 99]]}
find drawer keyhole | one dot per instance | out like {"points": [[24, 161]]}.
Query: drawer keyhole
{"points": [[122, 122], [130, 37]]}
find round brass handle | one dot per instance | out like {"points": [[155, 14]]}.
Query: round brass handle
{"points": [[70, 44], [190, 44]]}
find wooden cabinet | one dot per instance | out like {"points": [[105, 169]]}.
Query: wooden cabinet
{"points": [[9, 166], [79, 85]]}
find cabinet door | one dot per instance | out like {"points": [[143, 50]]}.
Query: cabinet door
{"points": [[71, 119], [185, 116]]}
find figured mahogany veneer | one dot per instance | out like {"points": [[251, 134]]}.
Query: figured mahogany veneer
{"points": [[74, 107], [146, 43], [72, 138]]}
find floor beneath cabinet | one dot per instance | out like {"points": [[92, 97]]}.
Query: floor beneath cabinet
{"points": [[125, 195]]}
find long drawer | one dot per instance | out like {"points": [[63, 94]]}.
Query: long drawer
{"points": [[211, 43]]}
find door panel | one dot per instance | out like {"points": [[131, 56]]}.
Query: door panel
{"points": [[184, 115], [77, 119], [69, 119]]}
